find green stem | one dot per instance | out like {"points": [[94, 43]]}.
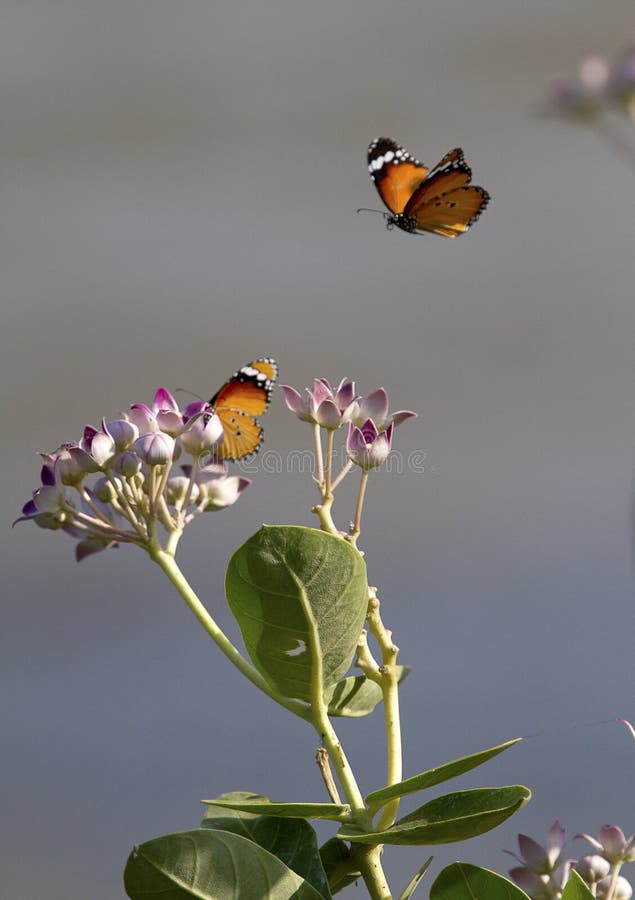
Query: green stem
{"points": [[369, 861], [330, 434], [319, 461], [388, 683], [356, 526], [171, 569]]}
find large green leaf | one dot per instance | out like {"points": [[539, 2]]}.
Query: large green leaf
{"points": [[263, 806], [462, 881], [356, 695], [205, 864], [300, 597], [338, 865], [435, 776], [450, 818], [293, 841], [576, 888]]}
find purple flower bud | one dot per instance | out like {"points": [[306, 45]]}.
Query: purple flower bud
{"points": [[322, 405], [73, 465], [126, 464], [366, 446], [612, 844], [155, 448], [123, 433], [142, 417], [533, 885], [375, 407]]}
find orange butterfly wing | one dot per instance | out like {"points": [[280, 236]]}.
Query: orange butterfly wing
{"points": [[440, 201], [445, 203], [246, 395], [395, 173]]}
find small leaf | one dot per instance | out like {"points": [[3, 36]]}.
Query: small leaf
{"points": [[356, 695], [452, 817], [293, 841], [262, 806], [412, 885], [204, 864], [576, 888], [338, 865], [462, 881], [300, 597], [436, 776]]}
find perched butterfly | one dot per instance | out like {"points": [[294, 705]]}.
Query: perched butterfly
{"points": [[440, 200], [242, 398]]}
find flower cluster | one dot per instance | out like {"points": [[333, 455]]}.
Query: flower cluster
{"points": [[599, 85], [544, 870], [117, 485], [369, 436]]}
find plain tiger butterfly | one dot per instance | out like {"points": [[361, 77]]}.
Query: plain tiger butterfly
{"points": [[246, 395], [439, 200]]}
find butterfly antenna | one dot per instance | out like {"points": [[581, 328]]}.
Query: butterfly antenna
{"points": [[181, 390], [366, 209]]}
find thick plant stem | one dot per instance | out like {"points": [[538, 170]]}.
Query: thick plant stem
{"points": [[369, 861], [171, 569], [388, 683]]}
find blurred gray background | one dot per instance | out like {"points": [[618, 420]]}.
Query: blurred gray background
{"points": [[179, 185]]}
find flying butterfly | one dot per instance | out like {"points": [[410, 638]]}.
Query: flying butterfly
{"points": [[246, 395], [439, 200]]}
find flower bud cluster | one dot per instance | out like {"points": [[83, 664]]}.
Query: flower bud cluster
{"points": [[599, 85], [544, 870], [368, 442], [117, 484], [370, 426]]}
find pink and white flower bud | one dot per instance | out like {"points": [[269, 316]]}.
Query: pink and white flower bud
{"points": [[105, 490], [592, 868], [102, 448], [123, 433], [366, 447], [623, 889], [176, 491], [73, 464], [202, 435], [222, 492], [155, 448], [126, 464]]}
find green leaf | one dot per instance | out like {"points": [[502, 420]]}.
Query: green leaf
{"points": [[576, 888], [462, 881], [452, 817], [205, 864], [338, 865], [356, 695], [435, 776], [263, 806], [412, 885], [293, 841], [300, 597]]}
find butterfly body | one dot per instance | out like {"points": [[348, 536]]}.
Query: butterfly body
{"points": [[243, 397], [439, 200]]}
